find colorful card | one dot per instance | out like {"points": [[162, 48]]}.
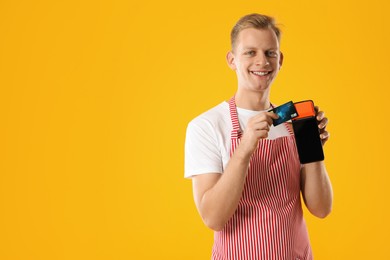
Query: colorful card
{"points": [[285, 112]]}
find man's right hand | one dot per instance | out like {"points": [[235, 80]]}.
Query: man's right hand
{"points": [[257, 128]]}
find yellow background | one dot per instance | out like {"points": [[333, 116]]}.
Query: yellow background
{"points": [[95, 97]]}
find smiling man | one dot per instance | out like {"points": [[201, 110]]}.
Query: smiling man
{"points": [[246, 174], [256, 58]]}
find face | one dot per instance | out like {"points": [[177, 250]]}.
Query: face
{"points": [[256, 59]]}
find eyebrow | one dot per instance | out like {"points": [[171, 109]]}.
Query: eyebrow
{"points": [[249, 48], [255, 48]]}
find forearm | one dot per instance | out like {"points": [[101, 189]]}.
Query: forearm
{"points": [[217, 195], [219, 203], [316, 189]]}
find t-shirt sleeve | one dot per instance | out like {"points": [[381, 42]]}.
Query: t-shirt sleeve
{"points": [[202, 153]]}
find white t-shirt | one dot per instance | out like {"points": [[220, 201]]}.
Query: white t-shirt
{"points": [[208, 139]]}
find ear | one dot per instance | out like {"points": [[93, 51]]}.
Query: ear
{"points": [[281, 60], [231, 60]]}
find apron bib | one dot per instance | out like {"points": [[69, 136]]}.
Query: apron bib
{"points": [[268, 223]]}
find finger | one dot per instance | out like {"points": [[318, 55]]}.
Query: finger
{"points": [[265, 117], [323, 123], [320, 115], [272, 115], [262, 134], [325, 135], [262, 125]]}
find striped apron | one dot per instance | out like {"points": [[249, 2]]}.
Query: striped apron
{"points": [[268, 223]]}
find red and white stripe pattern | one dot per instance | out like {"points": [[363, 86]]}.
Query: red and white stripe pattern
{"points": [[268, 223]]}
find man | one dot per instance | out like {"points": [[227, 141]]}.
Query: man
{"points": [[246, 174]]}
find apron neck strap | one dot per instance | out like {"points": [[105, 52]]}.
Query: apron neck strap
{"points": [[236, 132]]}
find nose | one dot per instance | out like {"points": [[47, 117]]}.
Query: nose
{"points": [[262, 60]]}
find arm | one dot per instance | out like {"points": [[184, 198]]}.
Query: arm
{"points": [[217, 195], [315, 184]]}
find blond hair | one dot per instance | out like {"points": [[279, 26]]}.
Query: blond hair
{"points": [[257, 21]]}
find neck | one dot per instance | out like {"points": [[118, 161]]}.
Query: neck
{"points": [[256, 101]]}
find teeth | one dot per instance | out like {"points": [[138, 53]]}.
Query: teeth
{"points": [[260, 73]]}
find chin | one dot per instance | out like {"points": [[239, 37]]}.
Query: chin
{"points": [[261, 88]]}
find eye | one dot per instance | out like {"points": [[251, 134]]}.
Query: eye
{"points": [[250, 53], [272, 54]]}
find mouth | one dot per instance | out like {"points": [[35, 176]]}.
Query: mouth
{"points": [[261, 73]]}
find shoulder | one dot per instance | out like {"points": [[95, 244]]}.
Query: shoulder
{"points": [[212, 118], [213, 125]]}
